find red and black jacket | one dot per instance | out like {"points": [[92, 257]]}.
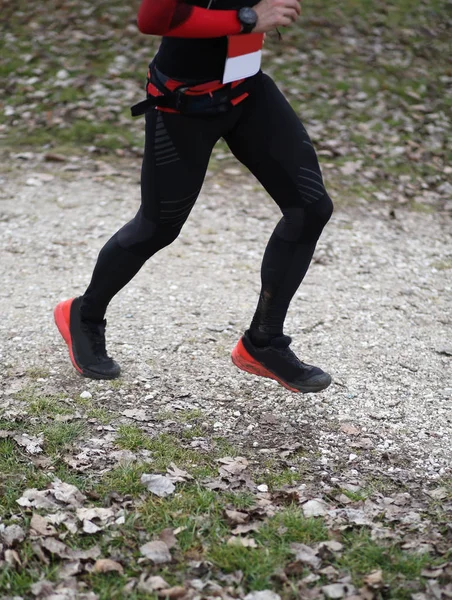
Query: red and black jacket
{"points": [[194, 41]]}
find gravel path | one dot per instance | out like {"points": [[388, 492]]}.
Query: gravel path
{"points": [[374, 310]]}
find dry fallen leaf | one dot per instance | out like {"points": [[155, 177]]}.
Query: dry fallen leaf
{"points": [[156, 551], [315, 508], [67, 493], [90, 554], [438, 494], [137, 414], [95, 513], [40, 525], [240, 529], [263, 595], [151, 584], [42, 588], [39, 553], [311, 578], [158, 484], [168, 536], [65, 518], [32, 444], [432, 573], [306, 554], [69, 589], [177, 475], [95, 518], [174, 592], [330, 572], [349, 429], [330, 545], [56, 547], [38, 499], [60, 549], [124, 457], [60, 495], [105, 565], [374, 579], [12, 558], [235, 517], [11, 535], [350, 167], [337, 590], [69, 569], [232, 466], [242, 541], [89, 527]]}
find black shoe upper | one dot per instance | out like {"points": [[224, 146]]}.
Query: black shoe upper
{"points": [[283, 362], [88, 345]]}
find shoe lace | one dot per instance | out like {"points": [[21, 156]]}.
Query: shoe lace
{"points": [[96, 335], [291, 357]]}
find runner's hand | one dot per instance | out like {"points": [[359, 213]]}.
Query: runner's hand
{"points": [[274, 13]]}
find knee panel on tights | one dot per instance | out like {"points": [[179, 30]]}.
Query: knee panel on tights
{"points": [[144, 237], [305, 223], [323, 209]]}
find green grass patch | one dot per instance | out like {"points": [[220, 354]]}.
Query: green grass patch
{"points": [[168, 448], [188, 416], [116, 384], [276, 479], [17, 582], [110, 586], [256, 564], [16, 474], [48, 406], [273, 552], [291, 526], [124, 479], [58, 436], [224, 448], [131, 437], [107, 136], [443, 265], [11, 425], [37, 373], [363, 555], [355, 496], [197, 509], [100, 414], [42, 404], [193, 432]]}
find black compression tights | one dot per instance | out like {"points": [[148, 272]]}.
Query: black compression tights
{"points": [[265, 134]]}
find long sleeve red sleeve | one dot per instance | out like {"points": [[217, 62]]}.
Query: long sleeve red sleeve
{"points": [[174, 18]]}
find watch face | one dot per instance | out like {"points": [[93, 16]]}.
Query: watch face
{"points": [[247, 16]]}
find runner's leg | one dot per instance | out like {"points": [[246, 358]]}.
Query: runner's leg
{"points": [[177, 152], [272, 142]]}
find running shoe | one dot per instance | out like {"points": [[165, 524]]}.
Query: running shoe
{"points": [[278, 362], [85, 340]]}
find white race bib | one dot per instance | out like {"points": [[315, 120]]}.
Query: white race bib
{"points": [[244, 56]]}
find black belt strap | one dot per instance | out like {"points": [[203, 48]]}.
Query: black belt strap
{"points": [[208, 103]]}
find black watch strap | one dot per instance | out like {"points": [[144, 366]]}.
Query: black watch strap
{"points": [[248, 19]]}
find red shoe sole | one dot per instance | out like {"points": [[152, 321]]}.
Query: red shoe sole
{"points": [[243, 360], [62, 316]]}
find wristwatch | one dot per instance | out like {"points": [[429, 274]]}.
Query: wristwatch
{"points": [[248, 19]]}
